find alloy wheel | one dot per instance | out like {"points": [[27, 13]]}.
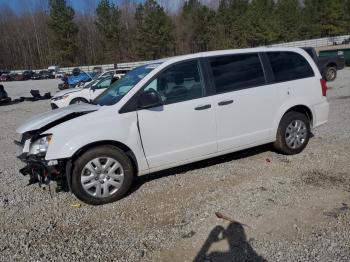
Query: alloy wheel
{"points": [[296, 134]]}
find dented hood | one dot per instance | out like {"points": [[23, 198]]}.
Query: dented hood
{"points": [[45, 119]]}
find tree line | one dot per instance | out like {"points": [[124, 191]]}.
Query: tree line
{"points": [[55, 34]]}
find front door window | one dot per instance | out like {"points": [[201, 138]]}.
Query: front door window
{"points": [[179, 83]]}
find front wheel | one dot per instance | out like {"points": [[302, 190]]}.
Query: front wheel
{"points": [[78, 100], [102, 175], [293, 133]]}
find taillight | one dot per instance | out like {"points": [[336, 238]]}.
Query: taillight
{"points": [[324, 87]]}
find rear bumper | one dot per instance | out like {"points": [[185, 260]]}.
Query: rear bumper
{"points": [[321, 112]]}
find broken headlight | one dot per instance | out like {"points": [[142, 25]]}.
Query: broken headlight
{"points": [[40, 145]]}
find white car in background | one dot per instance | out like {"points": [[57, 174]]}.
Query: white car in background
{"points": [[116, 73], [81, 95]]}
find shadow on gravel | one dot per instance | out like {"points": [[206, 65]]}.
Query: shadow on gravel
{"points": [[139, 181], [239, 247]]}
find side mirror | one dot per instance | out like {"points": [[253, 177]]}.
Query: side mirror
{"points": [[149, 99], [93, 88]]}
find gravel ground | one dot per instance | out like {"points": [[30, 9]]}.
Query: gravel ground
{"points": [[294, 208]]}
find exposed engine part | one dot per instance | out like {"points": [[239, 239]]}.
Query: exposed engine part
{"points": [[41, 173]]}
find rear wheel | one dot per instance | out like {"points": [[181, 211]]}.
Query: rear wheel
{"points": [[78, 100], [293, 133], [102, 175], [330, 74]]}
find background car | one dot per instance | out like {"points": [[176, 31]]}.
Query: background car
{"points": [[76, 71], [97, 69], [27, 74], [52, 73], [18, 77], [116, 73], [36, 76], [60, 74], [2, 71], [45, 74], [95, 76], [54, 69], [328, 65], [346, 41], [5, 77], [81, 95]]}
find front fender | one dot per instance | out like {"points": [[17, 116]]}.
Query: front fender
{"points": [[71, 136]]}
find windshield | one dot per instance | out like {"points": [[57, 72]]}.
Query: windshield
{"points": [[93, 82], [120, 88], [96, 75]]}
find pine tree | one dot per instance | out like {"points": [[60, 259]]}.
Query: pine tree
{"points": [[108, 23], [288, 20], [334, 18], [326, 18], [232, 24], [261, 25], [63, 32], [154, 31], [199, 21], [347, 17]]}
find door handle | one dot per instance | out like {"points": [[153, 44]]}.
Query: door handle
{"points": [[202, 107], [226, 102]]}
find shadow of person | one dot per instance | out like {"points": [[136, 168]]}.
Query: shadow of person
{"points": [[239, 248]]}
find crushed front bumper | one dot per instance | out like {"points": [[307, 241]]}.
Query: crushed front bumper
{"points": [[42, 171]]}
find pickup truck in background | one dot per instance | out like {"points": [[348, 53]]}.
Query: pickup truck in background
{"points": [[328, 65]]}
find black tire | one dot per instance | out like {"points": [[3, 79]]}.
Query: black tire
{"points": [[281, 143], [330, 74], [78, 100], [101, 151]]}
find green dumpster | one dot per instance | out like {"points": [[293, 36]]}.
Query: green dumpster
{"points": [[335, 52]]}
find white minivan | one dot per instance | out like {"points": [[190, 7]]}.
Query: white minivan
{"points": [[175, 111]]}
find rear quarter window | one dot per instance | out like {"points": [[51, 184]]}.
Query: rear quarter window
{"points": [[288, 66]]}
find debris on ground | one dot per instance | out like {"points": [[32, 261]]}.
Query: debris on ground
{"points": [[76, 205]]}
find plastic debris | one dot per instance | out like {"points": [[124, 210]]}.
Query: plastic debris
{"points": [[76, 205]]}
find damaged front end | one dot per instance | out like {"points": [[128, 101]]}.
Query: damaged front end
{"points": [[38, 169], [35, 139], [43, 172]]}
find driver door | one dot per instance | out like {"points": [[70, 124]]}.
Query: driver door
{"points": [[184, 127]]}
